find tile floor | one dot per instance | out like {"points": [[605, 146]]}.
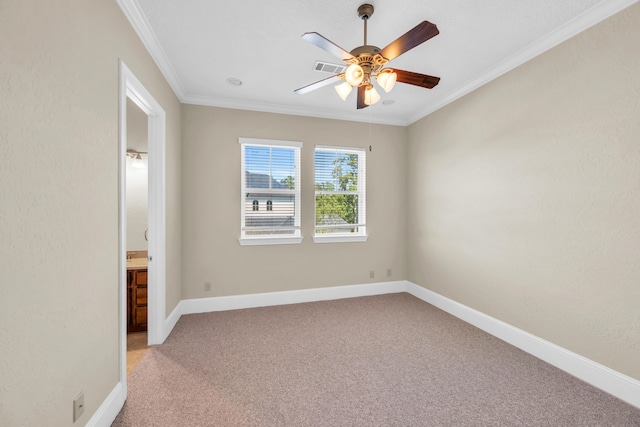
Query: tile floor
{"points": [[136, 349]]}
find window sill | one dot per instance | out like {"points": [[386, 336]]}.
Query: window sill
{"points": [[253, 241], [340, 238]]}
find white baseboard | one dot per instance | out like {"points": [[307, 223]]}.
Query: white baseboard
{"points": [[619, 385], [204, 305], [110, 408], [171, 320]]}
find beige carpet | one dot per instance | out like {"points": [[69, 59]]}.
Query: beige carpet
{"points": [[388, 360]]}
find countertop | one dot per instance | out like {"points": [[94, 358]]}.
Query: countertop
{"points": [[136, 264], [137, 260]]}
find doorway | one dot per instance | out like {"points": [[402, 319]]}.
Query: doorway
{"points": [[137, 202], [133, 95]]}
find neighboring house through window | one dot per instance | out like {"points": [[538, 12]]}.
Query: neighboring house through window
{"points": [[340, 190], [270, 174]]}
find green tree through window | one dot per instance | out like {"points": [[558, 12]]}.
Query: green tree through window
{"points": [[338, 191]]}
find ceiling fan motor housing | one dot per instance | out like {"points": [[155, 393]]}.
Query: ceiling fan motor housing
{"points": [[369, 59]]}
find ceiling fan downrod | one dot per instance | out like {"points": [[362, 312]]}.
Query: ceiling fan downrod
{"points": [[366, 60], [364, 12]]}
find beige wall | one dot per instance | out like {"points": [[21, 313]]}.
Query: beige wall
{"points": [[59, 203], [211, 206], [524, 196]]}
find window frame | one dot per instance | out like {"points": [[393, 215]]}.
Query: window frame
{"points": [[361, 235], [273, 239]]}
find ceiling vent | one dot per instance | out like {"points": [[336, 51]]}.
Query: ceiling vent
{"points": [[326, 67]]}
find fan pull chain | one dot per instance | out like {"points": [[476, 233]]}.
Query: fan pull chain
{"points": [[370, 119]]}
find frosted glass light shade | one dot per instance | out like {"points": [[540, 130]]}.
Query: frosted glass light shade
{"points": [[354, 74], [344, 89], [371, 96], [137, 162], [387, 79]]}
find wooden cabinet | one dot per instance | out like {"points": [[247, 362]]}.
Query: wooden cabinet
{"points": [[136, 300]]}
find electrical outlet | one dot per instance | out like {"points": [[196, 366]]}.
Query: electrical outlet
{"points": [[78, 406], [372, 274], [207, 286], [388, 272]]}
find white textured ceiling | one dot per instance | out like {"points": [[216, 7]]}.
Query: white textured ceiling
{"points": [[199, 44]]}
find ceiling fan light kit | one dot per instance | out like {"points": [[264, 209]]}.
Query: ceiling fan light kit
{"points": [[366, 62], [371, 96], [386, 79], [354, 74], [344, 89]]}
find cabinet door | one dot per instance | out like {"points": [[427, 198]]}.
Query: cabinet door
{"points": [[129, 299], [141, 296], [141, 277], [138, 301], [141, 318]]}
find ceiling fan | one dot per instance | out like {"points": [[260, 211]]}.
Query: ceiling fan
{"points": [[366, 63]]}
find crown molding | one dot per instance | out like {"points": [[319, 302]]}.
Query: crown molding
{"points": [[591, 17], [139, 22], [141, 25], [354, 116]]}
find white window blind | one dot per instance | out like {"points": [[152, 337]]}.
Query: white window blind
{"points": [[340, 193], [270, 194]]}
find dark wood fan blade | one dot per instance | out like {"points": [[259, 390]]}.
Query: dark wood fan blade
{"points": [[416, 79], [419, 34], [361, 90], [319, 84], [328, 45]]}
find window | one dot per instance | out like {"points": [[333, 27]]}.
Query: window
{"points": [[340, 184], [270, 176]]}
